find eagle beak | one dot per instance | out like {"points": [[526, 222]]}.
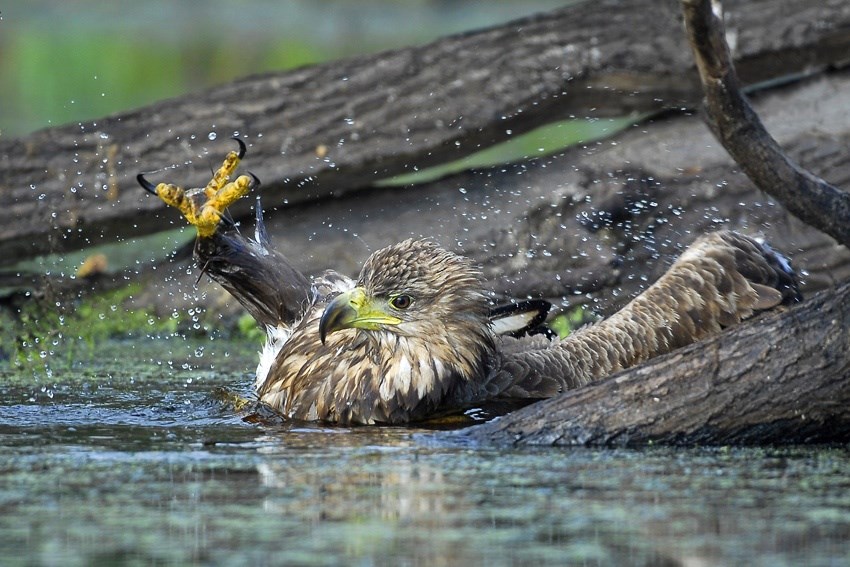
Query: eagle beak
{"points": [[354, 310]]}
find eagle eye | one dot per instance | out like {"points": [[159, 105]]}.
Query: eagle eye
{"points": [[401, 301]]}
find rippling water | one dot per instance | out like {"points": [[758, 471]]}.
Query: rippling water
{"points": [[132, 460]]}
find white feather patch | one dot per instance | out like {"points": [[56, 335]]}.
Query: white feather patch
{"points": [[514, 322], [276, 337]]}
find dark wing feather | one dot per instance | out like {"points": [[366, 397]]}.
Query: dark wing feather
{"points": [[722, 278], [260, 278]]}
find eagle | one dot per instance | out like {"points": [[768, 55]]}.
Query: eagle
{"points": [[414, 336]]}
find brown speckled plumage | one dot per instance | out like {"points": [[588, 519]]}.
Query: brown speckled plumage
{"points": [[721, 279], [443, 355], [398, 374]]}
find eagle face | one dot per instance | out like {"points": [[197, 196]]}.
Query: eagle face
{"points": [[410, 289], [411, 337]]}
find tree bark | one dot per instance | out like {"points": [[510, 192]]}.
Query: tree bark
{"points": [[330, 128], [782, 378], [779, 380], [593, 225]]}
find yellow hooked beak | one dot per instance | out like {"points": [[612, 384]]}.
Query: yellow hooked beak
{"points": [[354, 310]]}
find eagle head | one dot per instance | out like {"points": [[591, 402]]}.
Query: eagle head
{"points": [[412, 289], [410, 337]]}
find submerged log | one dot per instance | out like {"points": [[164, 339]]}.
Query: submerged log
{"points": [[340, 126], [781, 378]]}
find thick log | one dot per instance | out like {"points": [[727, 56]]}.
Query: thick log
{"points": [[594, 225], [783, 378], [335, 127]]}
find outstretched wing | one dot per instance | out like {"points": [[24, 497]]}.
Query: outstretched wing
{"points": [[721, 279], [273, 291], [262, 279]]}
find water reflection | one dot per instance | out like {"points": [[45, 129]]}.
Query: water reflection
{"points": [[145, 468]]}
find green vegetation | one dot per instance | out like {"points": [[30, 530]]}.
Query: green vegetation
{"points": [[565, 323], [248, 329], [121, 74], [60, 334]]}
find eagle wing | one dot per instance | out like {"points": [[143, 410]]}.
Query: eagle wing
{"points": [[262, 279], [721, 279]]}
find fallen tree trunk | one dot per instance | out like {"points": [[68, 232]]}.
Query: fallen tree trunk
{"points": [[782, 378], [339, 126], [594, 225]]}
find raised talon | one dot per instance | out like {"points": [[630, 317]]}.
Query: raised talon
{"points": [[242, 147], [222, 175], [146, 185], [204, 208]]}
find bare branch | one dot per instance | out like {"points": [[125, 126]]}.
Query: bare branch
{"points": [[739, 129]]}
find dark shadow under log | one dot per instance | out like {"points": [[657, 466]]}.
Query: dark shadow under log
{"points": [[782, 378]]}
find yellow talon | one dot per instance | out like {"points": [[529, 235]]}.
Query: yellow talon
{"points": [[203, 207]]}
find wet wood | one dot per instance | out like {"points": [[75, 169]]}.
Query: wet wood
{"points": [[783, 378], [594, 225], [338, 127]]}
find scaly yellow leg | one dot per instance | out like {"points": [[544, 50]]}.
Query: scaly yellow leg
{"points": [[203, 207]]}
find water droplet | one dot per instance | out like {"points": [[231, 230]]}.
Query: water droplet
{"points": [[212, 136]]}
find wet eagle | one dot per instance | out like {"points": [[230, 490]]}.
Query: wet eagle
{"points": [[414, 335]]}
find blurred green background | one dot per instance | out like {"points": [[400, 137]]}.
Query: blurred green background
{"points": [[68, 61], [77, 60]]}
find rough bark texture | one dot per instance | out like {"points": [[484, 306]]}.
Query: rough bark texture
{"points": [[335, 127], [594, 225], [783, 378]]}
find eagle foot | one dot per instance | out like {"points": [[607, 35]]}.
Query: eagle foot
{"points": [[204, 207]]}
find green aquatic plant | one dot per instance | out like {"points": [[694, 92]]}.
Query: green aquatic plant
{"points": [[248, 329], [42, 334]]}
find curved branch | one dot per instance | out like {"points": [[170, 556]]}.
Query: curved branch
{"points": [[739, 129]]}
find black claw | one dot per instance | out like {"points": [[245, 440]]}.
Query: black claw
{"points": [[242, 147], [146, 185], [256, 180]]}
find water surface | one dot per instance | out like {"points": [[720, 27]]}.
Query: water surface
{"points": [[130, 459]]}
